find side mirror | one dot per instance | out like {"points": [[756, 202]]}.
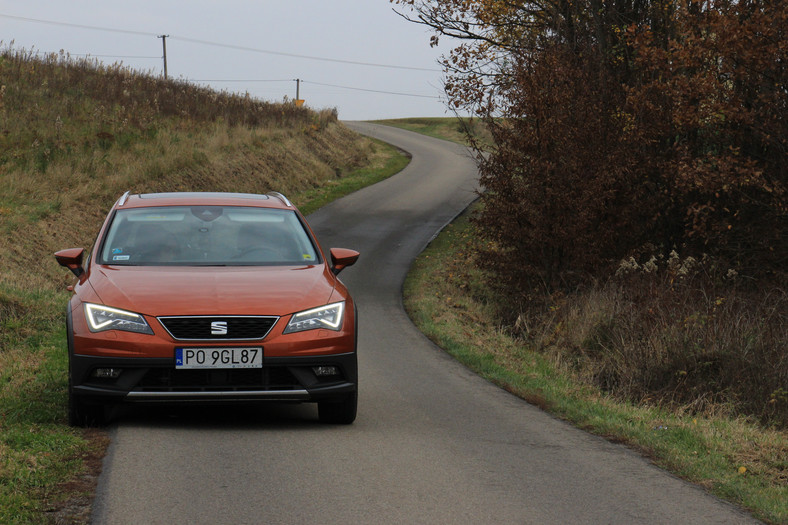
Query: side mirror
{"points": [[72, 259], [341, 258]]}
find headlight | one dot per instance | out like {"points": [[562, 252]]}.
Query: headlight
{"points": [[101, 318], [328, 317]]}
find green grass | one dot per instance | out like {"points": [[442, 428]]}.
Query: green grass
{"points": [[386, 161], [38, 453], [444, 128], [733, 458]]}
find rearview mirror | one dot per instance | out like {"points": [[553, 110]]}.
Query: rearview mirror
{"points": [[72, 259], [341, 258]]}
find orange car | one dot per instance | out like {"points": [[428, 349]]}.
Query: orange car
{"points": [[209, 297]]}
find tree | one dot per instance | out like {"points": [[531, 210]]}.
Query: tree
{"points": [[710, 109], [622, 128]]}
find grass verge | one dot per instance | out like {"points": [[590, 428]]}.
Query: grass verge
{"points": [[453, 129], [383, 163], [733, 458], [39, 454]]}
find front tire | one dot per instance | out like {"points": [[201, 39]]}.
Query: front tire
{"points": [[81, 414], [338, 412]]}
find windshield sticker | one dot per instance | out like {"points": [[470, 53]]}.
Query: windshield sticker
{"points": [[121, 257], [116, 251], [308, 257]]}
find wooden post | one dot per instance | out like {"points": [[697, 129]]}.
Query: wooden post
{"points": [[164, 49]]}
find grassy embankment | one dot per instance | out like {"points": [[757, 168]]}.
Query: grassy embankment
{"points": [[553, 362], [74, 136], [452, 129]]}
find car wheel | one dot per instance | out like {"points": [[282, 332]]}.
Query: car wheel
{"points": [[338, 412], [81, 414]]}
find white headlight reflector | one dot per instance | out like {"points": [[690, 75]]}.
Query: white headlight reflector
{"points": [[101, 318], [328, 317]]}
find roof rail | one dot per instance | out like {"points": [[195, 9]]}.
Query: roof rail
{"points": [[280, 197], [124, 198]]}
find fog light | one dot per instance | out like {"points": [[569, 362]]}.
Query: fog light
{"points": [[107, 373], [323, 371]]}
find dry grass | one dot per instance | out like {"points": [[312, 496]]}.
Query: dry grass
{"points": [[693, 344], [75, 135]]}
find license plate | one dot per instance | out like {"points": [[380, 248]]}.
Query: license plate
{"points": [[231, 357]]}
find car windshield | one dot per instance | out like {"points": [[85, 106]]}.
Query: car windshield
{"points": [[207, 235]]}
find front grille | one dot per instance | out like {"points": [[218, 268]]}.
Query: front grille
{"points": [[218, 328]]}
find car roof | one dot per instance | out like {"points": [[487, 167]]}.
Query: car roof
{"points": [[145, 200]]}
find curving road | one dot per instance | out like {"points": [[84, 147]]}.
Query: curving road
{"points": [[433, 443]]}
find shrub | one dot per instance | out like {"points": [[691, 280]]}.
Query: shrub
{"points": [[679, 333]]}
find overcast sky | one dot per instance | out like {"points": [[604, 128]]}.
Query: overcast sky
{"points": [[340, 47]]}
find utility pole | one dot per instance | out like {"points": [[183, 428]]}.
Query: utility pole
{"points": [[298, 101], [164, 49]]}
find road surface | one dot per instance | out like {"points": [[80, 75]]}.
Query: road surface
{"points": [[433, 443]]}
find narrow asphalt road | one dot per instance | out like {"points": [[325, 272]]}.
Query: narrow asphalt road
{"points": [[433, 443]]}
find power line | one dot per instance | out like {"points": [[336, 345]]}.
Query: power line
{"points": [[111, 56], [239, 48], [370, 90], [219, 44], [353, 88], [80, 26], [38, 53], [236, 80], [294, 55]]}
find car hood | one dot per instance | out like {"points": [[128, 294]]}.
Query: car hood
{"points": [[227, 290]]}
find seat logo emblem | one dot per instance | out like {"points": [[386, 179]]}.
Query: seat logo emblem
{"points": [[219, 328]]}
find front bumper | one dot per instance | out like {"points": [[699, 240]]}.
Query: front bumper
{"points": [[157, 380]]}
